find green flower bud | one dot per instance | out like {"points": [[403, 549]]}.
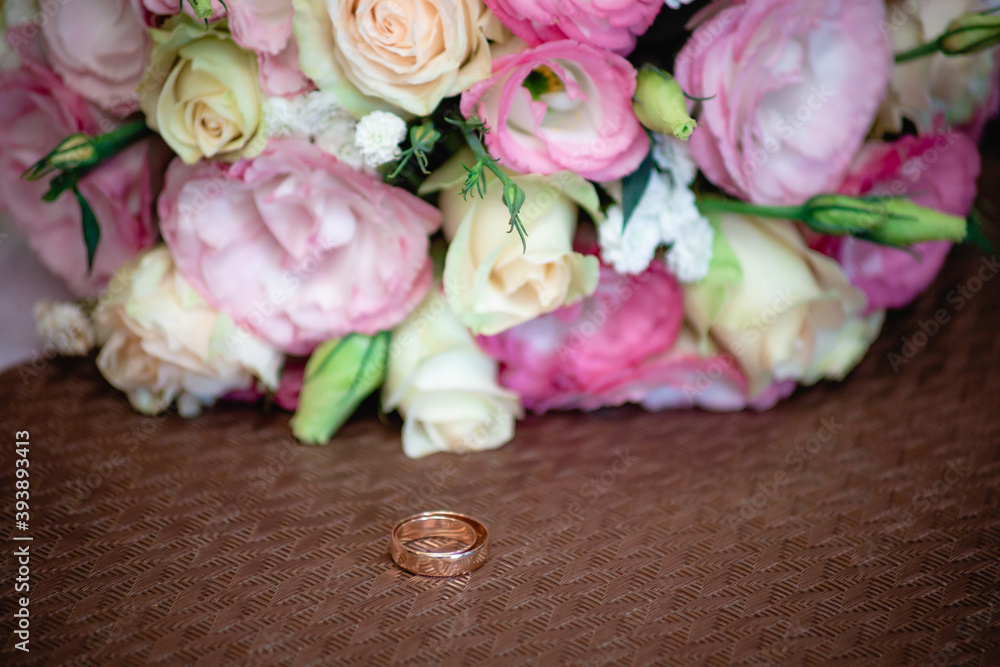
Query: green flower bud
{"points": [[80, 151], [890, 220], [424, 137], [74, 152], [202, 8], [971, 33], [513, 197], [660, 104], [339, 375]]}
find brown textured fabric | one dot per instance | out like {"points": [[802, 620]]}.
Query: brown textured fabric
{"points": [[857, 523]]}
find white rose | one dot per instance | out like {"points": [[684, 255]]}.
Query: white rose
{"points": [[491, 281], [785, 312], [409, 53], [956, 86], [162, 341], [201, 93], [445, 386]]}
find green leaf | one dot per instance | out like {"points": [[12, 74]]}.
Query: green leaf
{"points": [[59, 184], [977, 234], [340, 374], [634, 187], [91, 230]]}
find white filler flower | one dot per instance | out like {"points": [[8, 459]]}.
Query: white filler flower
{"points": [[317, 117], [667, 215], [64, 326], [378, 137]]}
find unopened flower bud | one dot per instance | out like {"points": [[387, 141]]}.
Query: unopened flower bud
{"points": [[202, 8], [76, 150], [339, 375], [513, 197], [890, 220], [424, 137], [971, 33], [660, 104]]}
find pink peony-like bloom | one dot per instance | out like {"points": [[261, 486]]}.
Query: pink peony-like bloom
{"points": [[264, 26], [36, 113], [297, 247], [281, 76], [939, 171], [605, 24], [795, 87], [624, 344], [578, 117], [99, 48]]}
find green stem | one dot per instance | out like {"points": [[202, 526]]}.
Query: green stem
{"points": [[928, 49], [483, 156], [715, 205], [117, 140]]}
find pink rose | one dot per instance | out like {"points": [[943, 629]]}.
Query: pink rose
{"points": [[100, 48], [940, 171], [297, 247], [280, 75], [624, 344], [795, 86], [37, 112], [581, 121], [606, 24], [264, 26]]}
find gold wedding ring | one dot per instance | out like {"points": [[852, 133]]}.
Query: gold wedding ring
{"points": [[409, 554]]}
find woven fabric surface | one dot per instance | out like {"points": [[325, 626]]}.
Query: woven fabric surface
{"points": [[856, 523]]}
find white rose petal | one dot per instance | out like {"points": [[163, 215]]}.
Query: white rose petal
{"points": [[164, 342], [794, 316], [491, 281], [444, 386]]}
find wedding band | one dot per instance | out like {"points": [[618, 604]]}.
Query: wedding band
{"points": [[441, 525]]}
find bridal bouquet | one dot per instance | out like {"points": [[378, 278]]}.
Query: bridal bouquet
{"points": [[482, 207]]}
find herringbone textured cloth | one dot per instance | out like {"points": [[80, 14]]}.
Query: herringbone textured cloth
{"points": [[857, 523]]}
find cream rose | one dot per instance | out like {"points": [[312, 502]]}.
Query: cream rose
{"points": [[407, 53], [201, 93], [783, 311], [491, 281], [444, 386], [960, 87], [162, 341]]}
